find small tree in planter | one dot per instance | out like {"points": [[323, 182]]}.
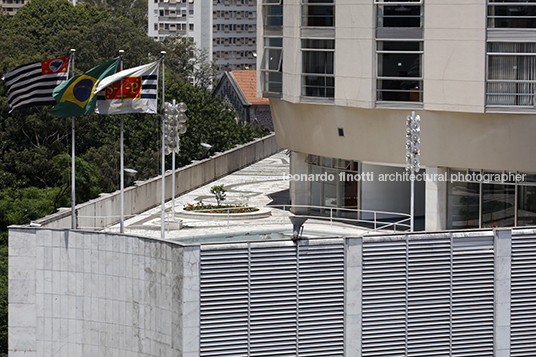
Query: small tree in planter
{"points": [[219, 192]]}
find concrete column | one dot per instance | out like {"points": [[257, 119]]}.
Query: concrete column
{"points": [[299, 189], [190, 302], [503, 263], [435, 199], [22, 318], [354, 294]]}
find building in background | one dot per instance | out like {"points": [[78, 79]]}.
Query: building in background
{"points": [[181, 17], [226, 29], [344, 75], [238, 88], [11, 7], [234, 34]]}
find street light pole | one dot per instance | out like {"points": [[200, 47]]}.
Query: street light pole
{"points": [[413, 155], [163, 188], [175, 126]]}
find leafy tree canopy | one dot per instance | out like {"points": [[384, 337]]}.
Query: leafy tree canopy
{"points": [[35, 147], [31, 140]]}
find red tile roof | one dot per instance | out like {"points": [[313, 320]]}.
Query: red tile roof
{"points": [[247, 80]]}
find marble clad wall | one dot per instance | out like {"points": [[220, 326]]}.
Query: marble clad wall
{"points": [[93, 294]]}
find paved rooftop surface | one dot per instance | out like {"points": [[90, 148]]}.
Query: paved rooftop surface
{"points": [[261, 185]]}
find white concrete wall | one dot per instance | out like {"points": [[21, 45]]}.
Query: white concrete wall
{"points": [[299, 190], [355, 53], [354, 296], [454, 60], [436, 200], [90, 294], [391, 196], [105, 209], [503, 290], [489, 141]]}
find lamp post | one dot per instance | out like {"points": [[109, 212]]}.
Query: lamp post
{"points": [[205, 148], [413, 155], [174, 126]]}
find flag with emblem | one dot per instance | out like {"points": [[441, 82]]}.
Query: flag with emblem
{"points": [[31, 85], [133, 90], [76, 96]]}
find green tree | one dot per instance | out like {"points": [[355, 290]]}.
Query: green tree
{"points": [[189, 62], [20, 206], [35, 147], [136, 10], [219, 193]]}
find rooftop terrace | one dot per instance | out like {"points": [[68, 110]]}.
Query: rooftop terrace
{"points": [[262, 185]]}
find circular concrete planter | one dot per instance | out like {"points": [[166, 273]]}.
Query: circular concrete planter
{"points": [[261, 213]]}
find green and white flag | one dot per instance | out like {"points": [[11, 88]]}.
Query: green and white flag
{"points": [[75, 97]]}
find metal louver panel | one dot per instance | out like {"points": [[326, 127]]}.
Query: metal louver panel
{"points": [[473, 297], [321, 300], [523, 297], [384, 299], [428, 297], [272, 300], [224, 302]]}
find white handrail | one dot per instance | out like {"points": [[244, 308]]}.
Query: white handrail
{"points": [[378, 224]]}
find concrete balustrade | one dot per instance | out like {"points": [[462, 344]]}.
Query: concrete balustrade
{"points": [[105, 210]]}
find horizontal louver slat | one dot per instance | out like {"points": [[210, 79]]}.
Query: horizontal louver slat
{"points": [[223, 300], [427, 297], [271, 301]]}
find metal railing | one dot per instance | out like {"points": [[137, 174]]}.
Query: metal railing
{"points": [[379, 220], [390, 220], [369, 220]]}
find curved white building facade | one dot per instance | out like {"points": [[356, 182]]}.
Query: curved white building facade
{"points": [[343, 75]]}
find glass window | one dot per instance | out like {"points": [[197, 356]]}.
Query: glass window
{"points": [[349, 190], [511, 14], [315, 187], [498, 205], [334, 187], [273, 16], [318, 78], [463, 205], [488, 199], [318, 13], [399, 71], [271, 65], [393, 13], [330, 188], [511, 75], [526, 205]]}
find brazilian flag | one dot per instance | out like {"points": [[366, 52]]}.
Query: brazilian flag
{"points": [[75, 97]]}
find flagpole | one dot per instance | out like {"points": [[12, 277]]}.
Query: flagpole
{"points": [[162, 214], [73, 194], [173, 182], [122, 160]]}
